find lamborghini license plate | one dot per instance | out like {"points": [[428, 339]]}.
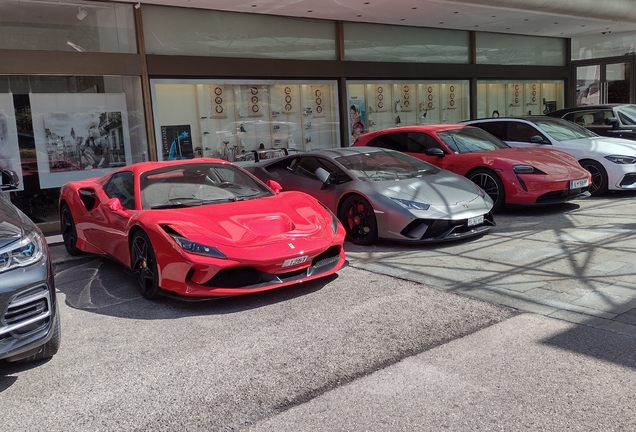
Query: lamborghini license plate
{"points": [[476, 220], [295, 261]]}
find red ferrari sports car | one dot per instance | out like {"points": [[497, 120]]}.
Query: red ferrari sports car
{"points": [[511, 176], [201, 228]]}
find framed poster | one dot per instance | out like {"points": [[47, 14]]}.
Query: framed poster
{"points": [[357, 117], [78, 136], [10, 152], [176, 142]]}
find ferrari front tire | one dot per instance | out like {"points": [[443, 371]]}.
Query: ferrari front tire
{"points": [[144, 266], [69, 233], [358, 218], [490, 182]]}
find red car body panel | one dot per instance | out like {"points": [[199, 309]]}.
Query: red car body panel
{"points": [[257, 234], [559, 166]]}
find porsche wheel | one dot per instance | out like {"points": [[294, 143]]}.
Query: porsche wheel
{"points": [[144, 266], [358, 219], [599, 183], [69, 233], [491, 184]]}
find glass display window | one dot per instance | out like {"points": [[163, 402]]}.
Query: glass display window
{"points": [[518, 98], [380, 105], [50, 135], [229, 119]]}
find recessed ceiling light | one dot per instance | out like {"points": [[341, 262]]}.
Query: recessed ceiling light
{"points": [[494, 16], [583, 25], [456, 12], [402, 19], [253, 5], [476, 26], [556, 22], [310, 11], [507, 28], [358, 16], [441, 22], [526, 19], [366, 2], [414, 8]]}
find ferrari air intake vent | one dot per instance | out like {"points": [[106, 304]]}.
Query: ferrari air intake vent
{"points": [[328, 257], [26, 313], [237, 277]]}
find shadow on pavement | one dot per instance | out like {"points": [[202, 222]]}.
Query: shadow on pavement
{"points": [[105, 287]]}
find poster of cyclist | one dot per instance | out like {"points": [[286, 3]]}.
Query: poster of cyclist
{"points": [[79, 136]]}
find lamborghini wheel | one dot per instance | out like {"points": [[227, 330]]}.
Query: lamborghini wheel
{"points": [[144, 266], [358, 218]]}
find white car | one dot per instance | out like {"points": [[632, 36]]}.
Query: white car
{"points": [[612, 161]]}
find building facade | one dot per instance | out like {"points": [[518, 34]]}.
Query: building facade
{"points": [[86, 87]]}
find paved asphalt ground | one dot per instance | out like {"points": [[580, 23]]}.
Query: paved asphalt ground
{"points": [[399, 340]]}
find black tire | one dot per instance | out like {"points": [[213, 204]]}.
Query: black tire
{"points": [[490, 182], [599, 183], [69, 233], [358, 219], [144, 266], [50, 348]]}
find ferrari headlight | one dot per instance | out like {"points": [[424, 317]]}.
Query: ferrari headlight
{"points": [[526, 169], [334, 219], [621, 160], [198, 248], [27, 251], [411, 205]]}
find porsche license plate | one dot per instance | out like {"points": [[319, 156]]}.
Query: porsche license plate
{"points": [[295, 261], [575, 184], [476, 220]]}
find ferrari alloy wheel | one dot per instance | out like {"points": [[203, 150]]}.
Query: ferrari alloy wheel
{"points": [[491, 184], [144, 266], [358, 219], [69, 233], [598, 186]]}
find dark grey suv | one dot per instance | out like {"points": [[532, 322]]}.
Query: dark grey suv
{"points": [[29, 319]]}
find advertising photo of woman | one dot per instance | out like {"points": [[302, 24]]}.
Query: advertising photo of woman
{"points": [[357, 122]]}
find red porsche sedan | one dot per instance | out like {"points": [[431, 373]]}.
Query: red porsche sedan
{"points": [[201, 228], [511, 176]]}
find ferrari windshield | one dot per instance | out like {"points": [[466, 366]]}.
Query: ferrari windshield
{"points": [[195, 184], [563, 130], [470, 140], [385, 165]]}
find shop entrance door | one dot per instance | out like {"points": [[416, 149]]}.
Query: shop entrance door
{"points": [[604, 83]]}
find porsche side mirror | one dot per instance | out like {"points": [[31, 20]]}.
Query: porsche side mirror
{"points": [[435, 152], [274, 185], [10, 179], [537, 139], [612, 121], [323, 175]]}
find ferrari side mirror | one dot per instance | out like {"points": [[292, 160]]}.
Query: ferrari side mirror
{"points": [[114, 204], [274, 185]]}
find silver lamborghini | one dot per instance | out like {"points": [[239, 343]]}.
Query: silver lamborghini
{"points": [[381, 193]]}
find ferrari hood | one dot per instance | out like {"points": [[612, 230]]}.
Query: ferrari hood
{"points": [[250, 223], [441, 189], [603, 145]]}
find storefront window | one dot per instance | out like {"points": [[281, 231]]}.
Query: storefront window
{"points": [[507, 49], [53, 25], [64, 128], [197, 32], [387, 43], [606, 44], [226, 119], [518, 98], [379, 105]]}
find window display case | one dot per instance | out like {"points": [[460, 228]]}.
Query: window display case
{"points": [[228, 118], [380, 105], [518, 98]]}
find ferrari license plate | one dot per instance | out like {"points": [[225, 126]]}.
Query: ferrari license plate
{"points": [[295, 261], [575, 184], [476, 220]]}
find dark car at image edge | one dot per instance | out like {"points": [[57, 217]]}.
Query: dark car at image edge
{"points": [[29, 319]]}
